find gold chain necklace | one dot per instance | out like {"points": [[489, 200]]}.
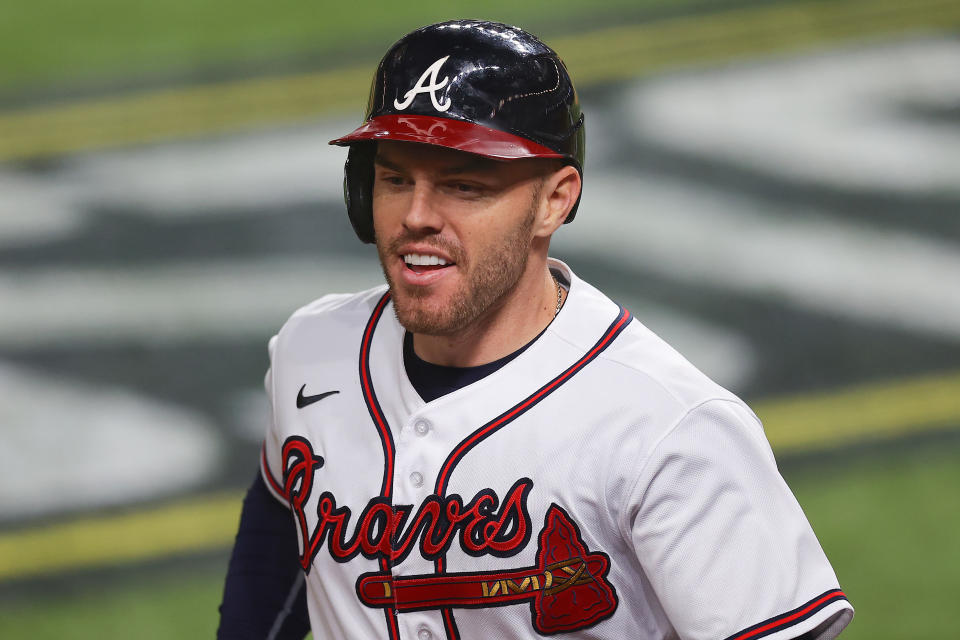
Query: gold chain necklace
{"points": [[559, 299]]}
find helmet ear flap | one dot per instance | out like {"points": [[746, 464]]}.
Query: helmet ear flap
{"points": [[358, 188], [578, 153]]}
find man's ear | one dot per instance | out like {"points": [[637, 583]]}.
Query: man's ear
{"points": [[558, 194]]}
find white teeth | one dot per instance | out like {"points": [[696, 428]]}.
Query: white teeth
{"points": [[419, 259]]}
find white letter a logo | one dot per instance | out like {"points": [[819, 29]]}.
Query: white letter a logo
{"points": [[422, 87]]}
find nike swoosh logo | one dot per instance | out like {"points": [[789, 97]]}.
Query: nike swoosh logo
{"points": [[303, 401]]}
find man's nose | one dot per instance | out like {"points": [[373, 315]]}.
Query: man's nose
{"points": [[423, 214]]}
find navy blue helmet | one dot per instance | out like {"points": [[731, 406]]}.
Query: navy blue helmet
{"points": [[480, 87]]}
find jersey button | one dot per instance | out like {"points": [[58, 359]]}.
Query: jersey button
{"points": [[422, 427], [423, 633], [416, 479]]}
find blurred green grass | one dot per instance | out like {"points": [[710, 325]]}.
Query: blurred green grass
{"points": [[888, 522], [61, 41]]}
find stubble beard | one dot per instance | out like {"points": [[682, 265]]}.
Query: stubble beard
{"points": [[495, 274]]}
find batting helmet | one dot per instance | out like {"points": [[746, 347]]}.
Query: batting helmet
{"points": [[481, 87]]}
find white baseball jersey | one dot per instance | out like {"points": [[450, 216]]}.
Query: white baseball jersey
{"points": [[596, 486]]}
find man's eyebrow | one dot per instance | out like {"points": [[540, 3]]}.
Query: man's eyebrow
{"points": [[386, 164], [473, 164]]}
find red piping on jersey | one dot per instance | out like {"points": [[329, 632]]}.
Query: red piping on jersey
{"points": [[453, 633], [790, 618], [370, 396], [614, 330], [386, 438], [392, 627], [266, 472]]}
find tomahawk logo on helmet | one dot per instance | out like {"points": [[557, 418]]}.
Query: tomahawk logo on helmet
{"points": [[497, 91]]}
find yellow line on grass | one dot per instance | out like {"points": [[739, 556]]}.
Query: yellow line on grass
{"points": [[620, 52], [177, 113], [796, 423], [196, 524], [598, 56], [867, 412]]}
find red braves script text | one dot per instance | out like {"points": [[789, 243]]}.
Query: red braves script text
{"points": [[485, 525]]}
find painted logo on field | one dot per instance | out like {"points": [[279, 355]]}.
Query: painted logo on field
{"points": [[430, 75]]}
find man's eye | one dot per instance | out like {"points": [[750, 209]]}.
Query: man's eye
{"points": [[395, 181]]}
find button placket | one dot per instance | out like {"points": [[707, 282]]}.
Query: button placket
{"points": [[424, 633], [421, 427], [412, 464]]}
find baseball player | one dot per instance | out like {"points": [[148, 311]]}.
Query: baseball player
{"points": [[487, 446]]}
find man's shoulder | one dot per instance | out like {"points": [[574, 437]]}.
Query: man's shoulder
{"points": [[634, 388], [337, 306], [637, 358], [330, 319], [645, 358]]}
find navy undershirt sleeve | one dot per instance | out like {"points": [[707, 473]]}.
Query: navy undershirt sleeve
{"points": [[264, 596]]}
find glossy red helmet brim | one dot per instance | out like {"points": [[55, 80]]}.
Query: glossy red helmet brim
{"points": [[449, 133]]}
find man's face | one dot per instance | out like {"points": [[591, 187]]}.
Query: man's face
{"points": [[453, 231]]}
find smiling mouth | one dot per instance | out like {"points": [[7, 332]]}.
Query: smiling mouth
{"points": [[421, 263]]}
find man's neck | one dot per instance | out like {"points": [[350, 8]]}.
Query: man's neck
{"points": [[503, 329]]}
